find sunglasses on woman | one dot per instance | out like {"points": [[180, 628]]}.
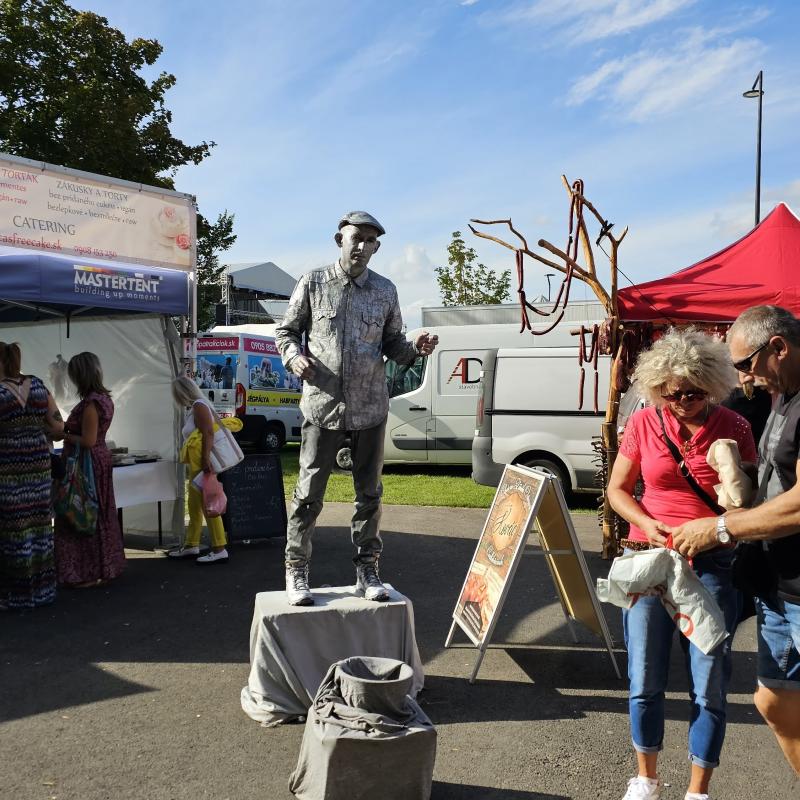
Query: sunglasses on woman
{"points": [[690, 394], [746, 364]]}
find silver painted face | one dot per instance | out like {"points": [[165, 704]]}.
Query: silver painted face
{"points": [[357, 244]]}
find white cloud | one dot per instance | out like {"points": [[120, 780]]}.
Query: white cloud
{"points": [[468, 2], [581, 21], [652, 83], [413, 264], [412, 271], [371, 64]]}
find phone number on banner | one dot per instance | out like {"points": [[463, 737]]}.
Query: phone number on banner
{"points": [[258, 398]]}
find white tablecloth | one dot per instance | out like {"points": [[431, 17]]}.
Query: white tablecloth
{"points": [[145, 483], [291, 647]]}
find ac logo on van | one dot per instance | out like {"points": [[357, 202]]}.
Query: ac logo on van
{"points": [[462, 370]]}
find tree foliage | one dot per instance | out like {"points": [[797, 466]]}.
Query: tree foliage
{"points": [[211, 240], [467, 283], [71, 94]]}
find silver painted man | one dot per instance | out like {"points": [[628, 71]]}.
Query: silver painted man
{"points": [[350, 316]]}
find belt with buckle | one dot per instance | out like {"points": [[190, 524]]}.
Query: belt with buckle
{"points": [[634, 544]]}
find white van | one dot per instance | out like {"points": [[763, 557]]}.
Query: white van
{"points": [[432, 403], [528, 413], [242, 375]]}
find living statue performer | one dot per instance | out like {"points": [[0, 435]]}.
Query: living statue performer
{"points": [[351, 318]]}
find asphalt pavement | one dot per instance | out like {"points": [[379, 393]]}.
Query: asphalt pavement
{"points": [[131, 691]]}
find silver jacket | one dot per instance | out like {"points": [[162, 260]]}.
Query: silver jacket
{"points": [[350, 324]]}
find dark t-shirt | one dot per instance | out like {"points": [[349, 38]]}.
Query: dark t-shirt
{"points": [[756, 410], [780, 445]]}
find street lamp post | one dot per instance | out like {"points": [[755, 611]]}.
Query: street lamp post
{"points": [[758, 91], [548, 275]]}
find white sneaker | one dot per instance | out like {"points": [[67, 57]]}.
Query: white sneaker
{"points": [[184, 552], [214, 558], [369, 583], [297, 591], [695, 796], [641, 788]]}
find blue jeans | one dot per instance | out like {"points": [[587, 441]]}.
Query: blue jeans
{"points": [[778, 644], [649, 632]]}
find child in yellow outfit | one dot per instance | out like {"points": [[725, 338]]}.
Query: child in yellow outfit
{"points": [[198, 434]]}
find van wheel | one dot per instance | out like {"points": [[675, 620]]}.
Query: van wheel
{"points": [[344, 459], [551, 468], [272, 439]]}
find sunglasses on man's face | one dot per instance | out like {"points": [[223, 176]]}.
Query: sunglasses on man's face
{"points": [[691, 394], [746, 364]]}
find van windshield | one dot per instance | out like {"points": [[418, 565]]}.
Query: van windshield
{"points": [[404, 378]]}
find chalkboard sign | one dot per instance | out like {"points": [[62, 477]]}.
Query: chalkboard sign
{"points": [[256, 506]]}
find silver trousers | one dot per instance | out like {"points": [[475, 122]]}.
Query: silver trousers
{"points": [[318, 450]]}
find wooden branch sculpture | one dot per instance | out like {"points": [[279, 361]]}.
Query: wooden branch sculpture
{"points": [[566, 262]]}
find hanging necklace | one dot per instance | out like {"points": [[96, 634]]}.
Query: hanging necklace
{"points": [[688, 445]]}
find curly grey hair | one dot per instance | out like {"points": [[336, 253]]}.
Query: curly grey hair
{"points": [[689, 354], [759, 324]]}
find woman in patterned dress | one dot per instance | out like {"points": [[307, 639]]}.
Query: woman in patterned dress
{"points": [[28, 414], [85, 561]]}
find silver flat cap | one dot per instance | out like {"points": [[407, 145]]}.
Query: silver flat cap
{"points": [[361, 218]]}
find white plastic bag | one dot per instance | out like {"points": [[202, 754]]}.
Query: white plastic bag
{"points": [[667, 574]]}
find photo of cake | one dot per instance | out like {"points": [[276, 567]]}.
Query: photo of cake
{"points": [[171, 229]]}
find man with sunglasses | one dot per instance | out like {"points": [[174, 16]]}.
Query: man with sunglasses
{"points": [[764, 343]]}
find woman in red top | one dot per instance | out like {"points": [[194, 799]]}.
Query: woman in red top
{"points": [[685, 375]]}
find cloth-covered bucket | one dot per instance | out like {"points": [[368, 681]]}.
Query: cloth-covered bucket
{"points": [[365, 737]]}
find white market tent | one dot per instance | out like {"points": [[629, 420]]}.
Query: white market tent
{"points": [[139, 357], [121, 307]]}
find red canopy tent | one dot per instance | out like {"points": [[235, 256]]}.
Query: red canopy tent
{"points": [[763, 267]]}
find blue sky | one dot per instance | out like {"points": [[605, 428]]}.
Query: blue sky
{"points": [[429, 112]]}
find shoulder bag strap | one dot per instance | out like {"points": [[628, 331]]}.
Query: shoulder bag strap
{"points": [[210, 408], [684, 470]]}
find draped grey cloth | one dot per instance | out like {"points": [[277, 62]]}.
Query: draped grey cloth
{"points": [[365, 737], [292, 647]]}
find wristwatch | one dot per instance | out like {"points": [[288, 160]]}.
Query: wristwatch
{"points": [[723, 536]]}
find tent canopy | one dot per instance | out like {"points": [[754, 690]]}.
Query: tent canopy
{"points": [[761, 268], [33, 286], [263, 277]]}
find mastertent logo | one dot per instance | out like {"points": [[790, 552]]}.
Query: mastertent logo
{"points": [[117, 284]]}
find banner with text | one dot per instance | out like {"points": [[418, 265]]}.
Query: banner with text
{"points": [[50, 210]]}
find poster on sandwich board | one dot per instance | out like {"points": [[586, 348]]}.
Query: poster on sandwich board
{"points": [[497, 553], [527, 500]]}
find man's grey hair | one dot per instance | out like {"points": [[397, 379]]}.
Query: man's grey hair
{"points": [[690, 354], [759, 324]]}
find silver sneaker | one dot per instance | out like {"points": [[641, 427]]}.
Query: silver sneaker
{"points": [[297, 591], [369, 583]]}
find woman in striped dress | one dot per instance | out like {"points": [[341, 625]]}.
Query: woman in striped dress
{"points": [[28, 414]]}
